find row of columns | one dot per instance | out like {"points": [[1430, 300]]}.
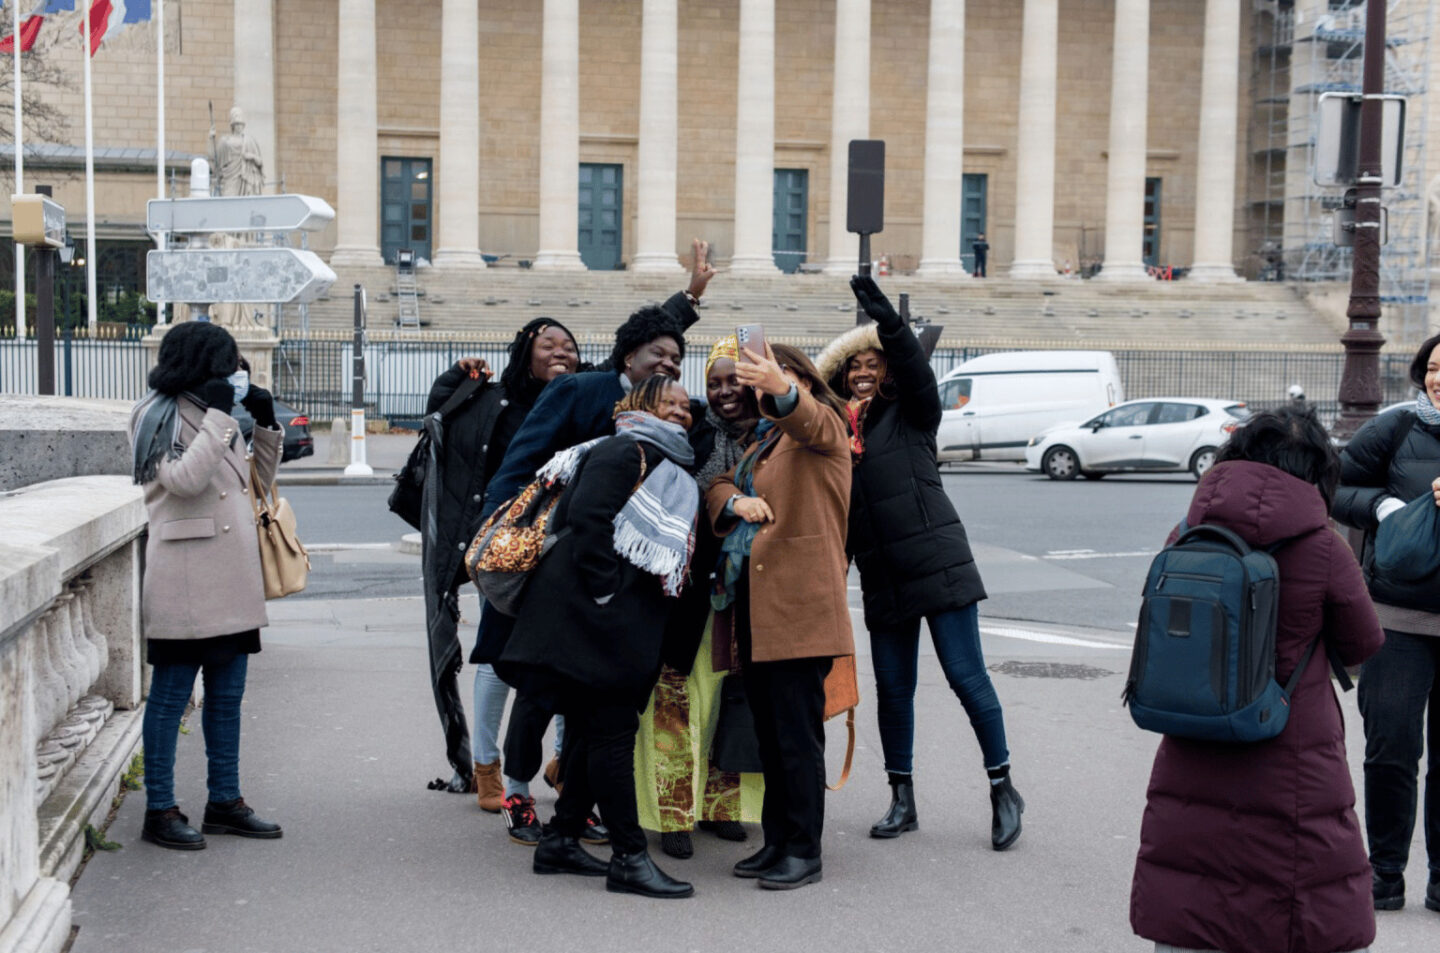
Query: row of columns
{"points": [[657, 154]]}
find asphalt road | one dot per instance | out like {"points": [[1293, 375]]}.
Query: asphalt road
{"points": [[1058, 553]]}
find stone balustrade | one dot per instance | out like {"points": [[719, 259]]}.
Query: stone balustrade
{"points": [[71, 674]]}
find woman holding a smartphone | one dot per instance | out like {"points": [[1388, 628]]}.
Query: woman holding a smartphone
{"points": [[913, 556], [781, 514]]}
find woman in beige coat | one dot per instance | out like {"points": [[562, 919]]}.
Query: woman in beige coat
{"points": [[203, 598], [782, 512]]}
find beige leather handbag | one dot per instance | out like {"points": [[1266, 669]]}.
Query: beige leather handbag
{"points": [[283, 560]]}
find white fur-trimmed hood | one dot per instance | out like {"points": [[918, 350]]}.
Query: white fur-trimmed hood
{"points": [[865, 337]]}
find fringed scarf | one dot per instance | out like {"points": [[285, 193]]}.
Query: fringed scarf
{"points": [[157, 434], [735, 547], [655, 529]]}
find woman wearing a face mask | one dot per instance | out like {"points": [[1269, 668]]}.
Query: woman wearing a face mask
{"points": [[191, 459]]}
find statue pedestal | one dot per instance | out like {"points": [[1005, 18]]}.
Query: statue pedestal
{"points": [[257, 346]]}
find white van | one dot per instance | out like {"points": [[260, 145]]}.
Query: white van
{"points": [[993, 404]]}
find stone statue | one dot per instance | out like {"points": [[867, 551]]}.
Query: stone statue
{"points": [[240, 164], [1432, 220]]}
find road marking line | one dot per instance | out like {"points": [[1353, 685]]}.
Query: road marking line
{"points": [[1091, 554], [1050, 638]]}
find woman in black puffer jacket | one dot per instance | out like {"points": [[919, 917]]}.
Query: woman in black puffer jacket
{"points": [[1392, 460], [913, 555], [471, 442]]}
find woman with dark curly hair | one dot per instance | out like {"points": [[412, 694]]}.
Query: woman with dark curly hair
{"points": [[1254, 848], [203, 599], [1392, 464], [470, 442]]}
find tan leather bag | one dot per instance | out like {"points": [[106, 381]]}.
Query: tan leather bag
{"points": [[284, 563], [842, 694]]}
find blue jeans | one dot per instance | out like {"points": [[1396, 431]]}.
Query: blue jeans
{"points": [[896, 655], [1397, 684], [490, 696], [170, 688]]}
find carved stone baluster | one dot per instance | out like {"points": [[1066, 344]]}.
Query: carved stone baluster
{"points": [[49, 685], [66, 655], [92, 707], [89, 651]]}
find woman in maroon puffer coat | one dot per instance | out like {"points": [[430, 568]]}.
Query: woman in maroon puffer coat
{"points": [[1256, 848]]}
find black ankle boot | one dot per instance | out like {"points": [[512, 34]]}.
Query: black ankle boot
{"points": [[561, 854], [901, 817], [1388, 891], [169, 828], [237, 817], [1006, 806], [637, 873]]}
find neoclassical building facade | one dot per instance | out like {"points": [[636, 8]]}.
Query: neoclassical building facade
{"points": [[1098, 136]]}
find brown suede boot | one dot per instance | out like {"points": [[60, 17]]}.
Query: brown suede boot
{"points": [[489, 789], [552, 775]]}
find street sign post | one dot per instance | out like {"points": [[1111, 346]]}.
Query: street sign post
{"points": [[239, 213], [261, 275], [38, 220], [1337, 141]]}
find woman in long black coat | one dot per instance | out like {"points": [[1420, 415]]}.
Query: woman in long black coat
{"points": [[588, 638], [913, 555], [469, 444]]}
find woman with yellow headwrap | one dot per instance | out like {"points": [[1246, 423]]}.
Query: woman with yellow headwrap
{"points": [[676, 785]]}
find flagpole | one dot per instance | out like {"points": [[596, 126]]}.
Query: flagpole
{"points": [[160, 237], [92, 316], [19, 183]]}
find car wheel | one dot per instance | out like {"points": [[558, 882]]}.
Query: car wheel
{"points": [[1060, 463], [1092, 474], [1202, 460]]}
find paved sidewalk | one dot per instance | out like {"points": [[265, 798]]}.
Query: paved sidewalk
{"points": [[341, 737]]}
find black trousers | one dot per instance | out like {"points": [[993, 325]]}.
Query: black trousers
{"points": [[1397, 685], [599, 765], [524, 747], [787, 700]]}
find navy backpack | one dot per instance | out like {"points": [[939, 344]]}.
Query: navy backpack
{"points": [[1203, 666]]}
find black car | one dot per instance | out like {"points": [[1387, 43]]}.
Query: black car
{"points": [[298, 441]]}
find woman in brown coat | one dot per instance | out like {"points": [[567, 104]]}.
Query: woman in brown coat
{"points": [[782, 511], [203, 601]]}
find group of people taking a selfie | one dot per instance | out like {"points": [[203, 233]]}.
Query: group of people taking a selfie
{"points": [[689, 619]]}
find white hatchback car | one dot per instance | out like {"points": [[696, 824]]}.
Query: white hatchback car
{"points": [[1154, 435]]}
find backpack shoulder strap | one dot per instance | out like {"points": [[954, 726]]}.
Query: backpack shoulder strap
{"points": [[462, 393], [1402, 430], [1337, 668]]}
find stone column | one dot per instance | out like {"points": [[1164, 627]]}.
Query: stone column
{"points": [[657, 152], [1219, 115], [357, 172], [560, 137], [1125, 177], [849, 119], [459, 179], [944, 141], [755, 141], [1035, 144], [255, 77]]}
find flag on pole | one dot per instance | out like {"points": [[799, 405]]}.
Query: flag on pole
{"points": [[29, 27], [109, 17]]}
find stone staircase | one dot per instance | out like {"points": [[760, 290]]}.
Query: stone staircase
{"points": [[814, 308]]}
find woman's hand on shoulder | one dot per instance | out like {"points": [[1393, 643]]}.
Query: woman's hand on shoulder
{"points": [[1435, 489], [474, 366], [752, 509]]}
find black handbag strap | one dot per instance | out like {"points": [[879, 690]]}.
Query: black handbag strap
{"points": [[462, 393]]}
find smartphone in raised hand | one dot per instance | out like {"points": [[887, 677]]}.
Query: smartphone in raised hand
{"points": [[750, 337]]}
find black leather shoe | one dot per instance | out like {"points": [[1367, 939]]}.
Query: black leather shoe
{"points": [[1432, 893], [1006, 806], [171, 829], [596, 834], [1388, 891], [791, 872], [901, 816], [758, 862], [238, 818], [677, 844], [558, 854], [637, 873]]}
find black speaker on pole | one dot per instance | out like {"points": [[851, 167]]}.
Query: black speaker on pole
{"points": [[865, 200]]}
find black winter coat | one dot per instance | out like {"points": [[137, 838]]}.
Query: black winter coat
{"points": [[1373, 467], [468, 458], [905, 536], [563, 641]]}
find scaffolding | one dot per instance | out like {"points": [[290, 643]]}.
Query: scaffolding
{"points": [[1316, 47]]}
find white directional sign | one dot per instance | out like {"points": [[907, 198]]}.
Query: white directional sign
{"points": [[260, 275], [239, 213]]}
